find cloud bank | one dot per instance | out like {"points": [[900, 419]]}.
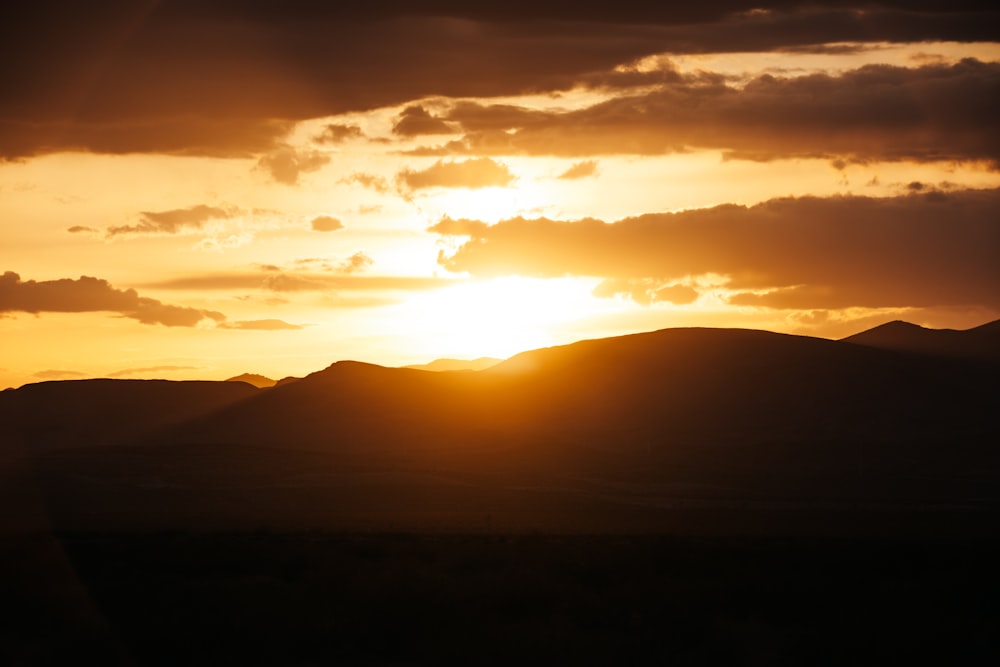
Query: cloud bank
{"points": [[918, 250], [876, 112], [117, 81]]}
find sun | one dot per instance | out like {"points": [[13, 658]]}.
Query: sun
{"points": [[496, 318]]}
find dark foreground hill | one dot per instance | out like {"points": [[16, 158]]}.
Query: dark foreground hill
{"points": [[714, 430]]}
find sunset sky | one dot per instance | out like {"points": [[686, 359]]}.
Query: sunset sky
{"points": [[200, 188]]}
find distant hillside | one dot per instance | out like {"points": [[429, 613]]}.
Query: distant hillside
{"points": [[259, 381], [479, 364], [980, 343]]}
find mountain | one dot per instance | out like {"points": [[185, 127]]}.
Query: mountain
{"points": [[439, 365], [608, 434], [259, 381], [981, 343], [87, 413]]}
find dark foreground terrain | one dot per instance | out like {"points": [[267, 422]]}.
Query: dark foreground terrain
{"points": [[321, 598], [687, 496]]}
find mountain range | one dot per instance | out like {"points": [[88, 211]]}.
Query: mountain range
{"points": [[680, 429]]}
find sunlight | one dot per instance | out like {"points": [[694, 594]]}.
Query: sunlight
{"points": [[486, 204], [496, 318]]}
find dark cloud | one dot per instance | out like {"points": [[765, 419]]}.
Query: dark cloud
{"points": [[184, 135], [881, 112], [87, 294], [416, 120], [215, 77], [174, 221], [580, 170], [286, 164], [335, 133], [917, 250], [325, 223], [478, 173], [261, 325], [80, 229]]}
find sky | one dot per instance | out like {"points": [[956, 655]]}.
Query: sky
{"points": [[194, 189]]}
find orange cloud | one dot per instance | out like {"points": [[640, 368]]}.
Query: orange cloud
{"points": [[58, 375], [325, 223], [416, 120], [371, 181], [260, 325], [580, 170], [150, 369], [171, 222], [335, 133], [300, 282], [917, 250], [286, 164], [478, 173]]}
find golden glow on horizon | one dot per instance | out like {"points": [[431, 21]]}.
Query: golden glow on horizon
{"points": [[499, 317]]}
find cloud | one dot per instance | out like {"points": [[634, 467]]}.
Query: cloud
{"points": [[370, 181], [296, 282], [335, 133], [580, 170], [88, 294], [117, 81], [58, 375], [416, 120], [646, 291], [150, 369], [174, 221], [80, 229], [260, 325], [325, 223], [286, 164], [463, 227], [876, 112], [916, 250], [356, 263], [478, 173]]}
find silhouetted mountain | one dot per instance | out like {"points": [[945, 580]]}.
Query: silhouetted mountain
{"points": [[259, 381], [981, 343], [94, 413], [597, 435], [479, 364]]}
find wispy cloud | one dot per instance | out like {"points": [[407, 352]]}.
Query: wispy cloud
{"points": [[173, 221]]}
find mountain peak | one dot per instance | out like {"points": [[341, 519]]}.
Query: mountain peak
{"points": [[259, 381], [979, 343]]}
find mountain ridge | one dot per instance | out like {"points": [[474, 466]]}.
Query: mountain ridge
{"points": [[585, 436], [980, 343]]}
